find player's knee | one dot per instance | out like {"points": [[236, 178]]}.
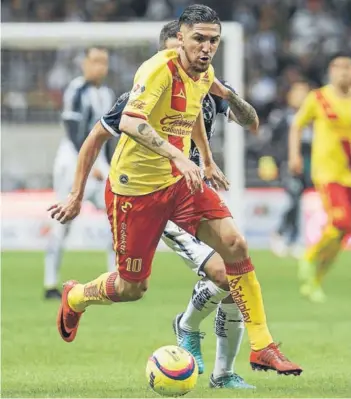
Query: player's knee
{"points": [[220, 279], [236, 244], [215, 271]]}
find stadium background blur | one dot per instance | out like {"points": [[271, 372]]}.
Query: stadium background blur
{"points": [[284, 41]]}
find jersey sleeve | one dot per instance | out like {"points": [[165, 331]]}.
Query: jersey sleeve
{"points": [[111, 120], [222, 106], [72, 114], [149, 84], [306, 113]]}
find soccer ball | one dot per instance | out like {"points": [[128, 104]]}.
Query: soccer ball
{"points": [[172, 371]]}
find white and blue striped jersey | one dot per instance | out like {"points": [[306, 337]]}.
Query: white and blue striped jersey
{"points": [[83, 105]]}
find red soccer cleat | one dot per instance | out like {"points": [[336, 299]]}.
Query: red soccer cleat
{"points": [[67, 319], [270, 358]]}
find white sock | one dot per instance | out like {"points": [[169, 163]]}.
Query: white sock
{"points": [[53, 255], [111, 259], [204, 300], [229, 328]]}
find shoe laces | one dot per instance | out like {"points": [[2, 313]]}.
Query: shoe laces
{"points": [[273, 352], [193, 339], [236, 378]]}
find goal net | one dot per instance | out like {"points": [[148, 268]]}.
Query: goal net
{"points": [[38, 60]]}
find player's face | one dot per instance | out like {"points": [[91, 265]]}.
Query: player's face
{"points": [[172, 43], [340, 72], [96, 65], [297, 94], [199, 43]]}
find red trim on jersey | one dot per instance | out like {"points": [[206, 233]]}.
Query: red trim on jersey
{"points": [[178, 142], [326, 106], [134, 115], [178, 97]]}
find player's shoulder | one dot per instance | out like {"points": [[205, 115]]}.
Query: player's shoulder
{"points": [[159, 62], [325, 92], [77, 83]]}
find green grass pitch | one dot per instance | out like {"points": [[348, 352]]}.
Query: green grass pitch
{"points": [[113, 344]]}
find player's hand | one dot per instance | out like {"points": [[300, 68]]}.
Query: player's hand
{"points": [[96, 174], [216, 177], [190, 171], [295, 164], [64, 212]]}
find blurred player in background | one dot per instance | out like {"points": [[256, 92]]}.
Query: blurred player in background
{"points": [[284, 241], [85, 99], [329, 108], [152, 181], [212, 291]]}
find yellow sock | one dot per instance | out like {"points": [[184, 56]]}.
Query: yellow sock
{"points": [[246, 293], [324, 252], [100, 291]]}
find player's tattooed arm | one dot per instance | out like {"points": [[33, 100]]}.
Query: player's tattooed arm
{"points": [[144, 134], [146, 131], [241, 111]]}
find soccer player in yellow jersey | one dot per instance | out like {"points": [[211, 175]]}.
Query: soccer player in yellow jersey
{"points": [[329, 108], [152, 181]]}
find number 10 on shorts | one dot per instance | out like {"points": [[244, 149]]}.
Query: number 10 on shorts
{"points": [[134, 265]]}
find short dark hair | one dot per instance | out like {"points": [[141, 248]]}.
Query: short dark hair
{"points": [[169, 31], [89, 49], [340, 54], [197, 14]]}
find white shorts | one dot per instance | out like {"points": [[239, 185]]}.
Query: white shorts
{"points": [[64, 170], [194, 252]]}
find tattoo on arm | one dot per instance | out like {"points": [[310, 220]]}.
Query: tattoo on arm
{"points": [[244, 113], [150, 136]]}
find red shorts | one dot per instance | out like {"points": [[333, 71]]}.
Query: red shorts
{"points": [[137, 222], [337, 204]]}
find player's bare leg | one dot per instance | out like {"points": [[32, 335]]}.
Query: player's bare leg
{"points": [[105, 290], [222, 235]]}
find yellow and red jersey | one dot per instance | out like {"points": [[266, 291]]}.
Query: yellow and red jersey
{"points": [[331, 147], [170, 101]]}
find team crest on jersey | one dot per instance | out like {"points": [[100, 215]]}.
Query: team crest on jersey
{"points": [[123, 179], [125, 206]]}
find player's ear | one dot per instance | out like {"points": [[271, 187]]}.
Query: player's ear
{"points": [[180, 37]]}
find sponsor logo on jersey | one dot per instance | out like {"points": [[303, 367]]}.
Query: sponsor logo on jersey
{"points": [[138, 104], [238, 297], [123, 179], [177, 124]]}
